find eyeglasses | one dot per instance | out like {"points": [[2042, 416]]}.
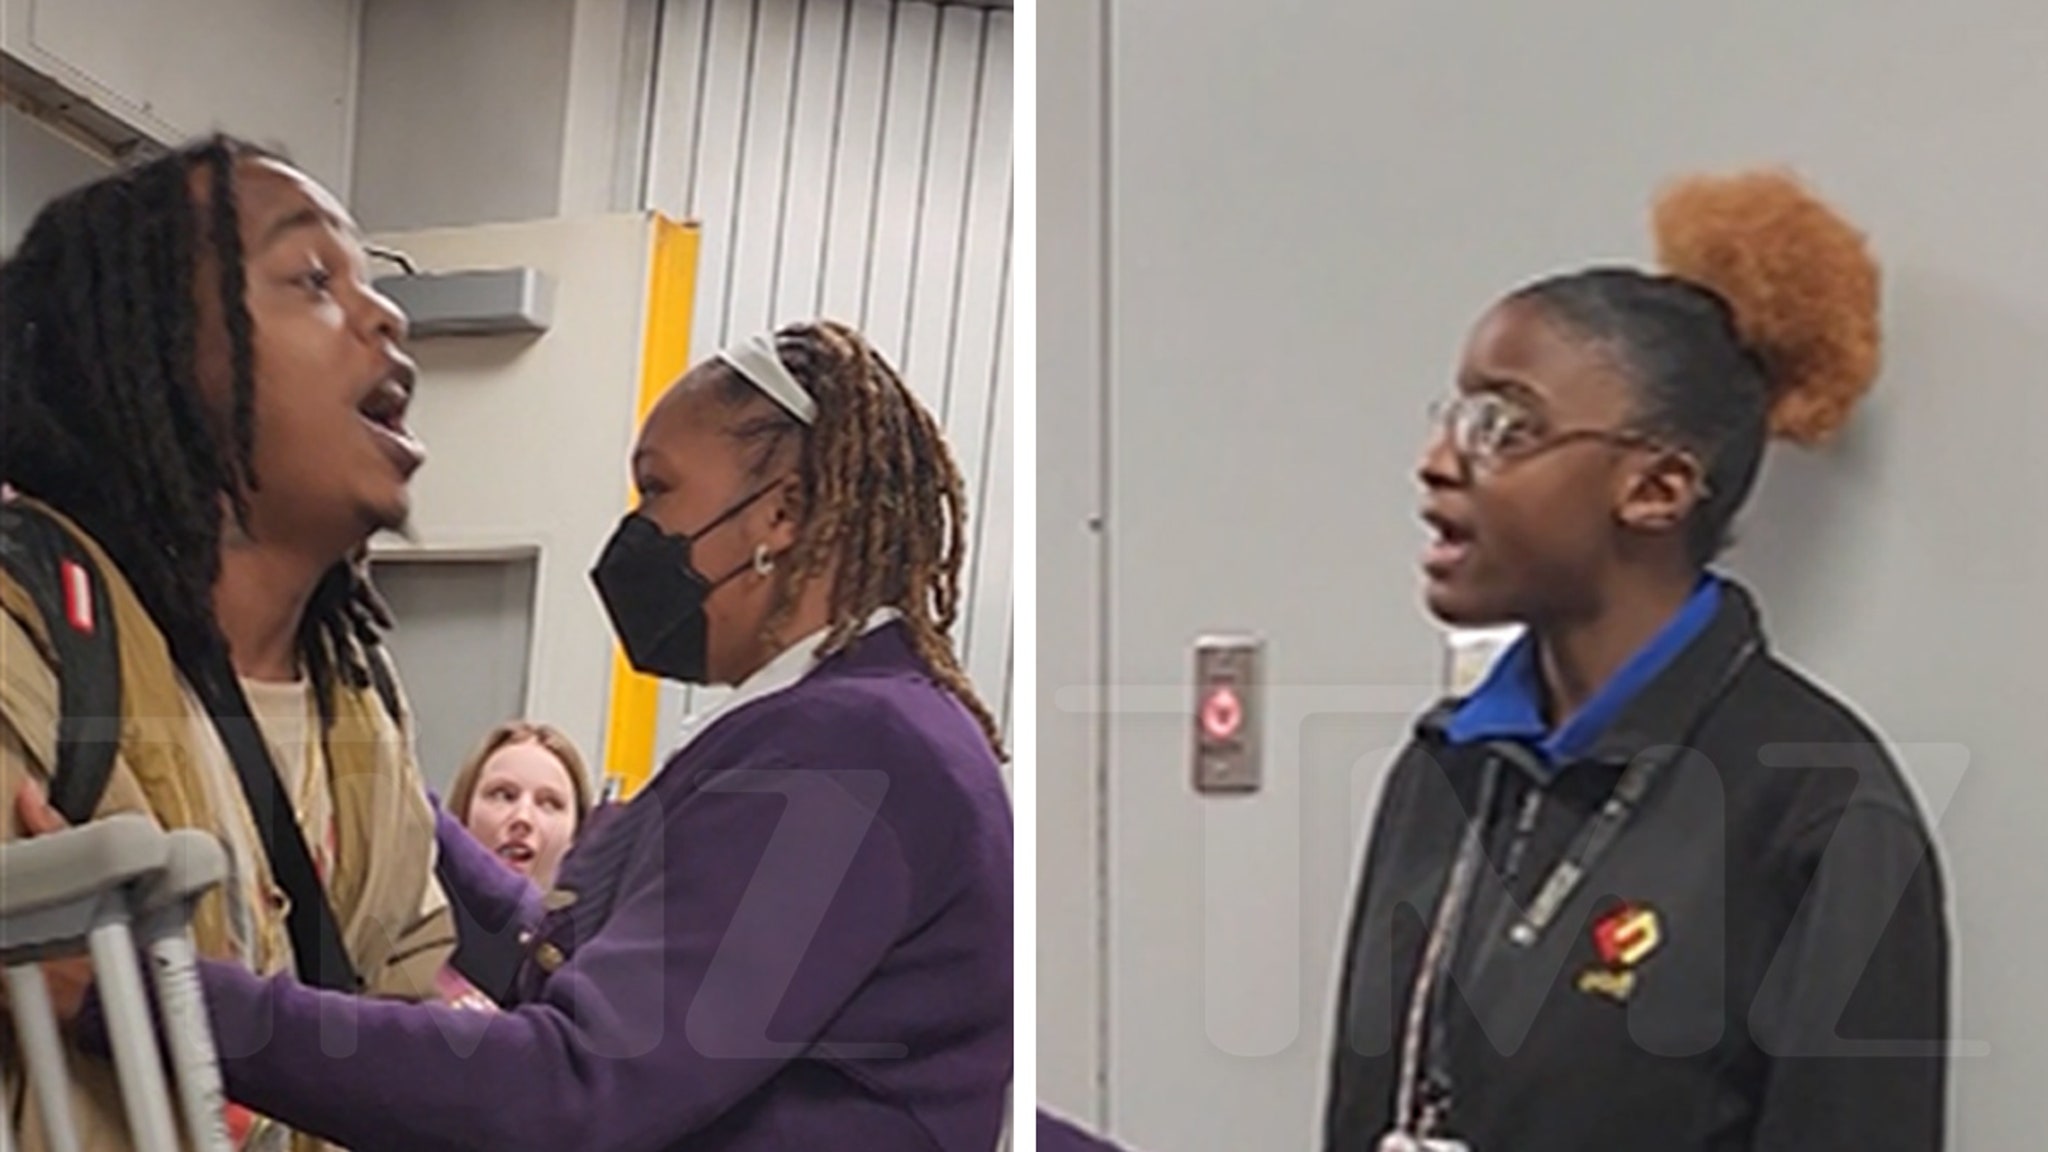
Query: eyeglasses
{"points": [[1488, 430]]}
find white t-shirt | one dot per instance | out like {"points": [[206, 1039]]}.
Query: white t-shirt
{"points": [[291, 727]]}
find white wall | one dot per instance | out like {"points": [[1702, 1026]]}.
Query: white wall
{"points": [[1305, 214], [279, 73], [851, 158], [528, 438], [36, 165]]}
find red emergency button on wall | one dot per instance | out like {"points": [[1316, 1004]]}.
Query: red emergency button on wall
{"points": [[1222, 715], [1224, 710]]}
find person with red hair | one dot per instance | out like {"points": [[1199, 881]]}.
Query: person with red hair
{"points": [[1647, 886]]}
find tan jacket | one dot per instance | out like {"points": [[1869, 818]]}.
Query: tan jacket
{"points": [[172, 765]]}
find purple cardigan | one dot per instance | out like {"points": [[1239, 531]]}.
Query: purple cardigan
{"points": [[797, 936], [1058, 1135]]}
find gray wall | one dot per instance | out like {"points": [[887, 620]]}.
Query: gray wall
{"points": [[36, 165], [489, 111], [1070, 494], [460, 111], [1305, 214], [465, 631]]}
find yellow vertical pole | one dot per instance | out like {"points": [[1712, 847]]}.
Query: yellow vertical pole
{"points": [[671, 302]]}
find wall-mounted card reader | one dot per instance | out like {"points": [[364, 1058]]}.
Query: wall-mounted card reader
{"points": [[1227, 718]]}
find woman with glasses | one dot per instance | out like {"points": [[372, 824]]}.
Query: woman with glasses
{"points": [[1646, 887]]}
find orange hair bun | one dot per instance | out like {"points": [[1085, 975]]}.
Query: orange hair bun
{"points": [[1800, 279]]}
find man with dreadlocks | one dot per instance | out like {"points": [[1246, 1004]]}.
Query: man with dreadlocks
{"points": [[204, 397], [798, 935]]}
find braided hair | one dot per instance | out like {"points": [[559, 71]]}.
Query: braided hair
{"points": [[103, 415], [881, 492]]}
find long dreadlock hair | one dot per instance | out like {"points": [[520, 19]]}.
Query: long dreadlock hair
{"points": [[881, 493], [101, 415]]}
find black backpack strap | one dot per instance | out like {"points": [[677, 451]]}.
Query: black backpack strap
{"points": [[71, 594], [322, 959]]}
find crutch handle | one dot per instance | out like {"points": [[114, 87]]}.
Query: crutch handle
{"points": [[79, 863], [194, 863], [68, 892], [55, 889]]}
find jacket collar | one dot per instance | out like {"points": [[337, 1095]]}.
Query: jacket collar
{"points": [[1668, 708], [882, 641]]}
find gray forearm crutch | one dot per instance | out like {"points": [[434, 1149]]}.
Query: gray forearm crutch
{"points": [[194, 864], [79, 891]]}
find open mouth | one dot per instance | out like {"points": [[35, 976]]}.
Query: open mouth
{"points": [[519, 855], [384, 411], [1450, 543]]}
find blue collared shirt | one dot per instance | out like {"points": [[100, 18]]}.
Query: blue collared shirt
{"points": [[1508, 704]]}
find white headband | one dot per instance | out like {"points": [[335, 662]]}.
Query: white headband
{"points": [[756, 359]]}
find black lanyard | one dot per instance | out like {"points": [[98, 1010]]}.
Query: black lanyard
{"points": [[1424, 1093], [1594, 839], [1424, 1089], [1606, 826]]}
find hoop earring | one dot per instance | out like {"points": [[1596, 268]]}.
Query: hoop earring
{"points": [[763, 562]]}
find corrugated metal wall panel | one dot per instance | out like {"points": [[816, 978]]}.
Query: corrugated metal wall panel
{"points": [[852, 159]]}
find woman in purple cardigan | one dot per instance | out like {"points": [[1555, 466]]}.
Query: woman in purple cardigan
{"points": [[798, 935]]}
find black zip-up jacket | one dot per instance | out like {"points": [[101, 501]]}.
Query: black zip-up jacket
{"points": [[1759, 962]]}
